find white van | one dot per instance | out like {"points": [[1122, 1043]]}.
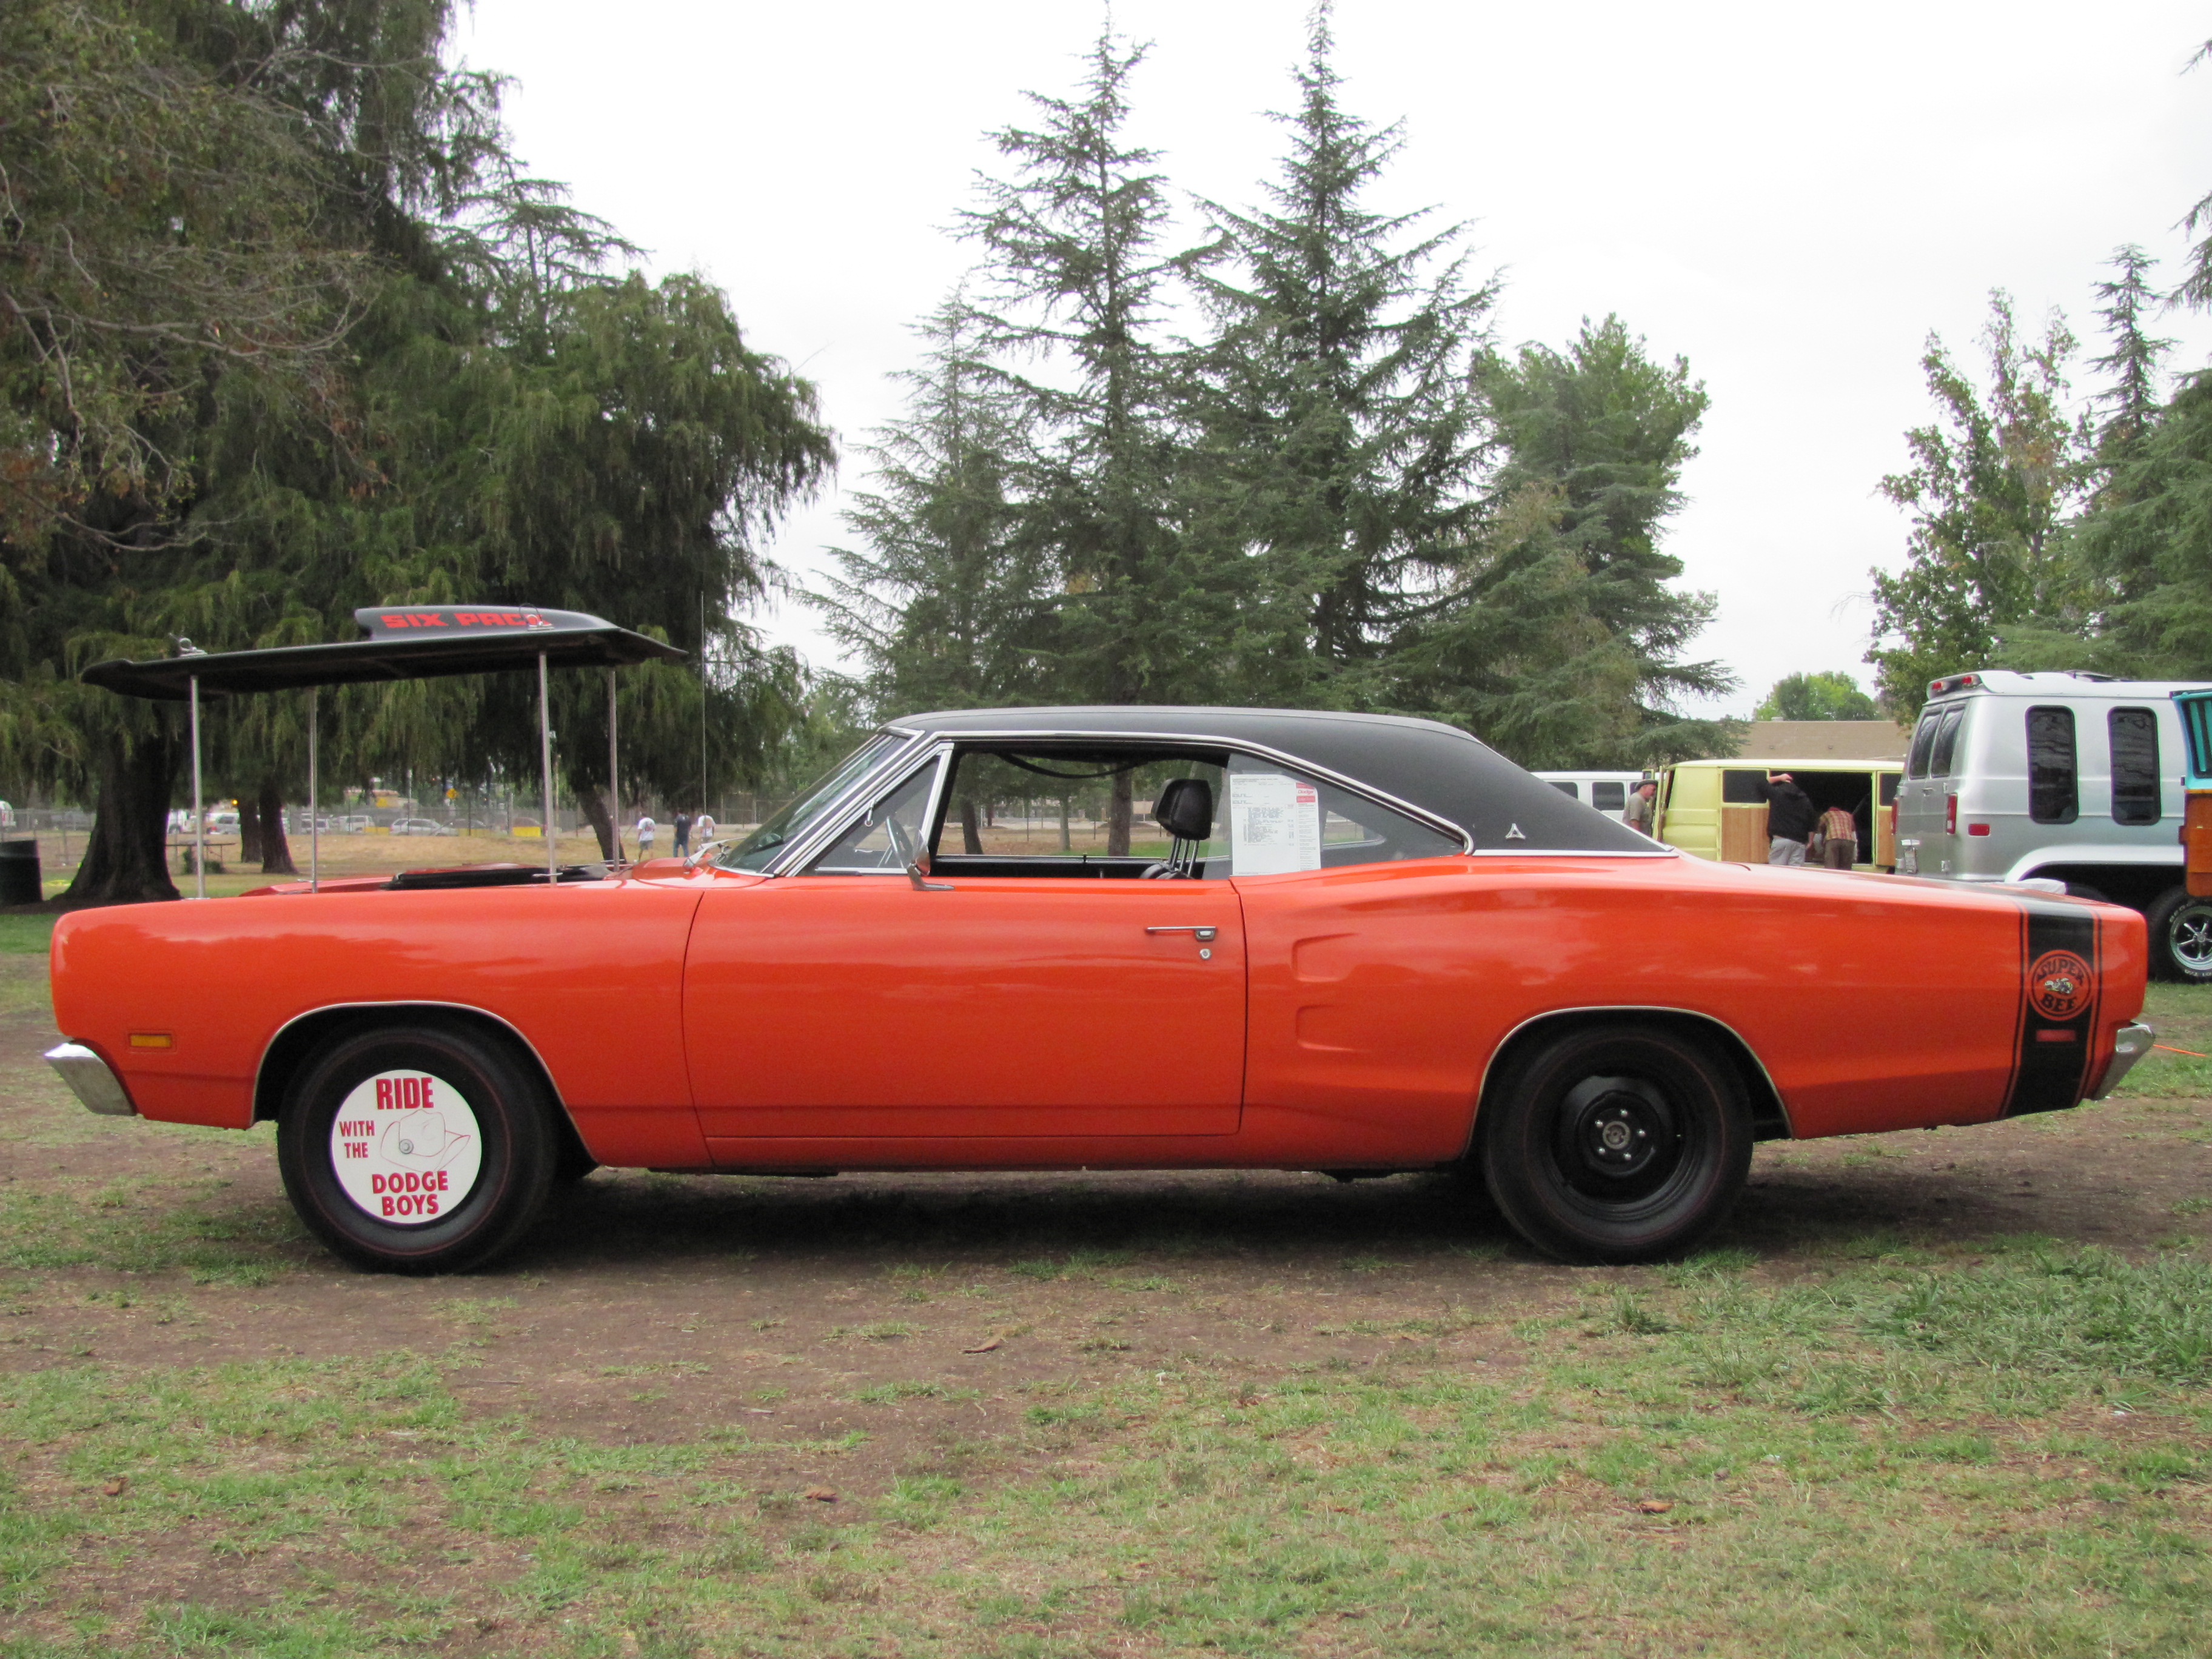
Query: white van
{"points": [[2073, 777], [1608, 792]]}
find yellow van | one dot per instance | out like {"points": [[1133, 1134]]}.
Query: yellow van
{"points": [[1712, 807]]}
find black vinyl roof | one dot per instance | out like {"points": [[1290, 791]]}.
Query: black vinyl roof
{"points": [[405, 642], [1424, 763]]}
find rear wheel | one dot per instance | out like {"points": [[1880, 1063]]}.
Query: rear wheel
{"points": [[2180, 928], [1616, 1143], [417, 1149]]}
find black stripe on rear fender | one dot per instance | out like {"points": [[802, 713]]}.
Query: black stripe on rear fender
{"points": [[2056, 1031]]}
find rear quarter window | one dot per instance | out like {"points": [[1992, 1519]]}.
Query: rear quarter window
{"points": [[2053, 785]]}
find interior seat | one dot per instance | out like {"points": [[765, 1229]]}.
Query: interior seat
{"points": [[1185, 810]]}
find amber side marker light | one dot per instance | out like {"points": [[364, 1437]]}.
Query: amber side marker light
{"points": [[152, 1040]]}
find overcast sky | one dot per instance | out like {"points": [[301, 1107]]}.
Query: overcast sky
{"points": [[1792, 199]]}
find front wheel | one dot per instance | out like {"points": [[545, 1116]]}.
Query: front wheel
{"points": [[417, 1149], [1616, 1143], [2180, 928]]}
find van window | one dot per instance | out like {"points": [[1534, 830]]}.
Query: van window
{"points": [[1743, 788], [2051, 796], [2134, 734], [1566, 788], [1889, 782], [1923, 740], [1946, 741], [1609, 795]]}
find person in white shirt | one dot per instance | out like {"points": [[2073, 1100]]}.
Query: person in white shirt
{"points": [[644, 839]]}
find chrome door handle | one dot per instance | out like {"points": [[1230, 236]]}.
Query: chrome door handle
{"points": [[1202, 934]]}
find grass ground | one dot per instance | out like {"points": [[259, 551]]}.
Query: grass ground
{"points": [[1927, 1393]]}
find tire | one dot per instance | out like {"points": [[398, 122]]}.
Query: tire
{"points": [[2181, 937], [417, 1148], [1616, 1143]]}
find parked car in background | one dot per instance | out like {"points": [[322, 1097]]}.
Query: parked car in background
{"points": [[421, 827], [1715, 809], [2065, 778], [1606, 791]]}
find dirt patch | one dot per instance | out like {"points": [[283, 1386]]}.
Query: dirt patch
{"points": [[814, 1313]]}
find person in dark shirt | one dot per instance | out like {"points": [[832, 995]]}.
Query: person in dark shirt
{"points": [[1790, 817]]}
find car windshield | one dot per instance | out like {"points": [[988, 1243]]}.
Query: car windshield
{"points": [[755, 850]]}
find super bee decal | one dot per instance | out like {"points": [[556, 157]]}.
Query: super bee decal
{"points": [[2059, 995]]}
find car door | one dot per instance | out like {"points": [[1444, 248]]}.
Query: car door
{"points": [[1368, 1004], [850, 1003]]}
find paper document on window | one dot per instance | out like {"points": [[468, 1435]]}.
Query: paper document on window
{"points": [[1274, 824]]}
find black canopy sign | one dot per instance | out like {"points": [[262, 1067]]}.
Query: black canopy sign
{"points": [[405, 642]]}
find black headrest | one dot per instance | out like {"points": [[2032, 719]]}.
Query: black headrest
{"points": [[1185, 809]]}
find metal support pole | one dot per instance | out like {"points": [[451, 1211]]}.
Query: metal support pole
{"points": [[614, 774], [314, 815], [545, 753], [199, 813]]}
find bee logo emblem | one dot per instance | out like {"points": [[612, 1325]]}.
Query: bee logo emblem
{"points": [[2059, 984]]}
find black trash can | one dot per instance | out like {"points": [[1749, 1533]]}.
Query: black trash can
{"points": [[18, 871]]}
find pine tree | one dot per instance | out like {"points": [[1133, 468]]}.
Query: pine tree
{"points": [[944, 604], [1341, 430], [1075, 276], [2131, 365], [1558, 636]]}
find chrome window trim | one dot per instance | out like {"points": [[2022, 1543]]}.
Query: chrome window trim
{"points": [[838, 816], [936, 757], [1576, 853], [1241, 745]]}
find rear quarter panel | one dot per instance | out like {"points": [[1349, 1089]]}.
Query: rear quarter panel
{"points": [[589, 974], [1379, 995]]}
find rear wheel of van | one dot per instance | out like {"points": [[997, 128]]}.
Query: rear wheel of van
{"points": [[417, 1149], [2181, 937], [1621, 1142]]}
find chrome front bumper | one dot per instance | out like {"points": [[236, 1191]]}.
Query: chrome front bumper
{"points": [[2132, 1043], [90, 1081]]}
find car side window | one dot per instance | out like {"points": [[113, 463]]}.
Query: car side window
{"points": [[1923, 740], [866, 848], [1609, 797], [1946, 742], [1567, 787], [1282, 820], [2052, 794], [2134, 735], [1047, 810]]}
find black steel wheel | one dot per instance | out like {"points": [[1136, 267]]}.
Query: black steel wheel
{"points": [[417, 1148], [2181, 937], [1621, 1142]]}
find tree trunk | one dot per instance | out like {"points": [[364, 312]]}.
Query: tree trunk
{"points": [[601, 821], [249, 828], [276, 846], [124, 861], [1117, 817], [971, 835]]}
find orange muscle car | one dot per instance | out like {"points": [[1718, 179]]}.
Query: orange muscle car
{"points": [[1132, 937]]}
